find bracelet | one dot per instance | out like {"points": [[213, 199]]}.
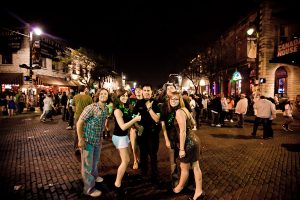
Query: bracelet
{"points": [[149, 109], [181, 150]]}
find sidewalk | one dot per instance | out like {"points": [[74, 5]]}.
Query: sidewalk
{"points": [[37, 162], [25, 113]]}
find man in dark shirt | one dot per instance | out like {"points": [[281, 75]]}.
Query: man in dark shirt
{"points": [[149, 140]]}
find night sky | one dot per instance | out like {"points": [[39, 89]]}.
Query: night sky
{"points": [[147, 40]]}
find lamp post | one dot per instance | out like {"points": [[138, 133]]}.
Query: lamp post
{"points": [[36, 31], [254, 29], [32, 31]]}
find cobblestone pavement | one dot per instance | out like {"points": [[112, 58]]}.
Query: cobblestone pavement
{"points": [[37, 162]]}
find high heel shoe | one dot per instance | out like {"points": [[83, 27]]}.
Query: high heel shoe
{"points": [[201, 197]]}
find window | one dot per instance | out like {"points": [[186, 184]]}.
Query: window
{"points": [[280, 81], [43, 63], [7, 58]]}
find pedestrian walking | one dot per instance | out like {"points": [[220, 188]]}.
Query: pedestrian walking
{"points": [[48, 106], [288, 115], [90, 126]]}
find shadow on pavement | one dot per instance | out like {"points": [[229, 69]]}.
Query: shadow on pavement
{"points": [[232, 136], [292, 147]]}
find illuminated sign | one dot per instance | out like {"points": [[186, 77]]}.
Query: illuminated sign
{"points": [[236, 76], [288, 47]]}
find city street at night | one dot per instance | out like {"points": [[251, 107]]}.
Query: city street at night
{"points": [[37, 162]]}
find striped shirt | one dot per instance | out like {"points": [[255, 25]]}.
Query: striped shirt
{"points": [[94, 118]]}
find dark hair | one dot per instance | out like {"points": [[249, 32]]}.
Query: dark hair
{"points": [[98, 93], [121, 92], [147, 85], [185, 93], [81, 88], [117, 101]]}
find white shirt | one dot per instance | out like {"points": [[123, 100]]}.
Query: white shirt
{"points": [[264, 108], [48, 103], [242, 106]]}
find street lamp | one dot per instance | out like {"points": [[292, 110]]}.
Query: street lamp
{"points": [[36, 31]]}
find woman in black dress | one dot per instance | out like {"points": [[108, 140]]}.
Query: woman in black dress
{"points": [[189, 147]]}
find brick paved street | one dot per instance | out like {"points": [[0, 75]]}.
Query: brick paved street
{"points": [[37, 162]]}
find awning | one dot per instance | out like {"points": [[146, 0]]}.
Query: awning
{"points": [[292, 59], [74, 83], [11, 78], [50, 80]]}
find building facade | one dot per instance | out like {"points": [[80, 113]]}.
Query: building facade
{"points": [[266, 62]]}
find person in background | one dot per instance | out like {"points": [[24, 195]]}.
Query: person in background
{"points": [[276, 100], [133, 131], [70, 108], [3, 104], [80, 101], [216, 109], [241, 110], [63, 101], [90, 126], [48, 106], [41, 100], [264, 111], [273, 116], [193, 108], [11, 106], [224, 111], [288, 115], [123, 122], [230, 102]]}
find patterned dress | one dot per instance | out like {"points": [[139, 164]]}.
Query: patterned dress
{"points": [[192, 143]]}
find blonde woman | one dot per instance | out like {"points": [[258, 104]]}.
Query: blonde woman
{"points": [[189, 148]]}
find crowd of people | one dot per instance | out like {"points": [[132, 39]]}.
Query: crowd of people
{"points": [[139, 117]]}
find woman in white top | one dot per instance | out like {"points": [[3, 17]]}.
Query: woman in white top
{"points": [[287, 113]]}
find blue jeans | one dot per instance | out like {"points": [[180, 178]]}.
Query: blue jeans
{"points": [[90, 157]]}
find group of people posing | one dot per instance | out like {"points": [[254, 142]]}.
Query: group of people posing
{"points": [[139, 119]]}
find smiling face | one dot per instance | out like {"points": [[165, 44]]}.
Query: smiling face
{"points": [[174, 100], [103, 96], [147, 92], [124, 98]]}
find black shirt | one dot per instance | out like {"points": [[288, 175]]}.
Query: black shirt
{"points": [[141, 108]]}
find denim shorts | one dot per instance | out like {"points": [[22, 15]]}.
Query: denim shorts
{"points": [[120, 141]]}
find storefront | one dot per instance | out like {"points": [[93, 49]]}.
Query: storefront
{"points": [[236, 84]]}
